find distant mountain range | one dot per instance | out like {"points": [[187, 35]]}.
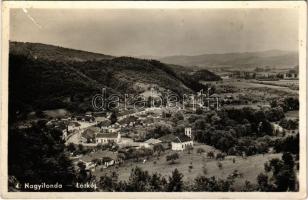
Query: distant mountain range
{"points": [[272, 58], [48, 77]]}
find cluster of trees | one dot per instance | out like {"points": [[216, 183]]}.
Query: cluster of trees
{"points": [[287, 103], [159, 130], [77, 149], [191, 83], [141, 181], [274, 114], [37, 155], [256, 119], [85, 176], [279, 175], [132, 153], [205, 75], [288, 144], [113, 118], [289, 124], [238, 131], [234, 131], [212, 184], [43, 84]]}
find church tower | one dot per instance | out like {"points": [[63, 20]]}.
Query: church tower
{"points": [[188, 131]]}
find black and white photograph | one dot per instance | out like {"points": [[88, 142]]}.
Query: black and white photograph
{"points": [[154, 99]]}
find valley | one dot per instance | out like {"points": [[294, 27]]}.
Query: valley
{"points": [[231, 128]]}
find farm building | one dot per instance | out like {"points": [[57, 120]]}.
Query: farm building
{"points": [[104, 138], [107, 161], [88, 114], [73, 125], [100, 119]]}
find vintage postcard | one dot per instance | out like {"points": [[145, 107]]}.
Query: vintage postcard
{"points": [[160, 100]]}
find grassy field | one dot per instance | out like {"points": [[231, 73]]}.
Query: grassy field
{"points": [[251, 84], [283, 83], [254, 94], [253, 106], [249, 167]]}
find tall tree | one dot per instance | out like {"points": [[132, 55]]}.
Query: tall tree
{"points": [[175, 183], [113, 118], [138, 180]]}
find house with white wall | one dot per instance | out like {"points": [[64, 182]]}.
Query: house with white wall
{"points": [[104, 138], [183, 142]]}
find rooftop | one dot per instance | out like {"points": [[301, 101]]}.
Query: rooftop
{"points": [[167, 138], [107, 135], [182, 138], [153, 141], [105, 123]]}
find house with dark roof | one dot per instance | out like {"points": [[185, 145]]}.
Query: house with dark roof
{"points": [[110, 158], [107, 161], [167, 138], [181, 142], [104, 124], [84, 118]]}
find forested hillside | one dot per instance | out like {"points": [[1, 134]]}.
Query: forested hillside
{"points": [[49, 79]]}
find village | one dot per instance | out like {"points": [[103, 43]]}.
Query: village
{"points": [[162, 139], [92, 132]]}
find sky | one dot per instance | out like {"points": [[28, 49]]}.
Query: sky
{"points": [[157, 32]]}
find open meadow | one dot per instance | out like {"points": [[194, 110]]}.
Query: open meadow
{"points": [[249, 167]]}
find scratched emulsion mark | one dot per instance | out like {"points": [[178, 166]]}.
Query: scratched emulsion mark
{"points": [[31, 18]]}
